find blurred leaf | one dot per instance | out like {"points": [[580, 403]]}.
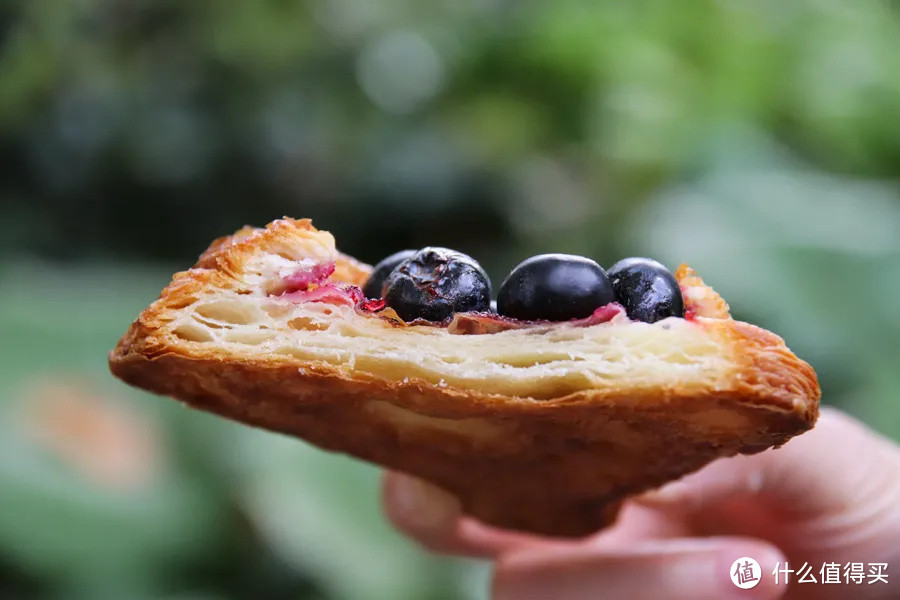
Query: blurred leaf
{"points": [[809, 255], [320, 511]]}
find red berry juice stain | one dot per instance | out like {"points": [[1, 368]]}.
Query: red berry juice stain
{"points": [[373, 305]]}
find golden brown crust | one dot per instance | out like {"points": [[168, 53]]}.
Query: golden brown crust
{"points": [[700, 299], [347, 268], [557, 466]]}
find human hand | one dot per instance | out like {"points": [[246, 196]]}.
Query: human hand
{"points": [[831, 495]]}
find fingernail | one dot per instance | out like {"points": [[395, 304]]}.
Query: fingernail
{"points": [[422, 505], [672, 492], [676, 495]]}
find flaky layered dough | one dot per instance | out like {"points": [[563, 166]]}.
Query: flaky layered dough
{"points": [[543, 429]]}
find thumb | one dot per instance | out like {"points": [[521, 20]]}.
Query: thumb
{"points": [[839, 463], [831, 494]]}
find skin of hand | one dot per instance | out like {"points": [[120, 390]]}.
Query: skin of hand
{"points": [[830, 495]]}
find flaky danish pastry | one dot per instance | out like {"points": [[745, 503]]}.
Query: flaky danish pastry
{"points": [[537, 426]]}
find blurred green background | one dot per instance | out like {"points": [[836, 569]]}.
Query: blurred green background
{"points": [[757, 140]]}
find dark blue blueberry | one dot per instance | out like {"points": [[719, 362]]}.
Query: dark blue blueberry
{"points": [[434, 283], [554, 287], [375, 284], [647, 290]]}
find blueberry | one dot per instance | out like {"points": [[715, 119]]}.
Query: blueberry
{"points": [[434, 283], [375, 284], [647, 290], [554, 287]]}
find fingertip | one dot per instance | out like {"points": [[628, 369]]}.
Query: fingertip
{"points": [[434, 518], [419, 508]]}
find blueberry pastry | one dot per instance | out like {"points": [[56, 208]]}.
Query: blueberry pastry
{"points": [[541, 412]]}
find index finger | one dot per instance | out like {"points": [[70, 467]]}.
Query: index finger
{"points": [[434, 518]]}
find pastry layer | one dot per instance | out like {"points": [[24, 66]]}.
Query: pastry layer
{"points": [[544, 428]]}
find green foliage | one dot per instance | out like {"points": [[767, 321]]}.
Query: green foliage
{"points": [[758, 140], [403, 112]]}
